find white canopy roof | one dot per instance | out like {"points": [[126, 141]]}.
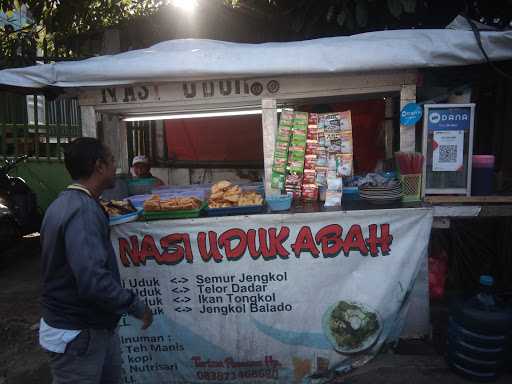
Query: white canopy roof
{"points": [[194, 59]]}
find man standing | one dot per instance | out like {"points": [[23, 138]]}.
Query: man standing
{"points": [[82, 297]]}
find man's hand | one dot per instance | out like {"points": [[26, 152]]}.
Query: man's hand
{"points": [[147, 318]]}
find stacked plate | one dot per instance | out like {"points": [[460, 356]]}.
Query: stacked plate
{"points": [[388, 193]]}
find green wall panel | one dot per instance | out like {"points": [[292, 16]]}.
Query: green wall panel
{"points": [[46, 178]]}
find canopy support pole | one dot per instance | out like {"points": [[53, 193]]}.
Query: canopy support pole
{"points": [[269, 125], [407, 133]]}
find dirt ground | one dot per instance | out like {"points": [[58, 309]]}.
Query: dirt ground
{"points": [[21, 359], [23, 362]]}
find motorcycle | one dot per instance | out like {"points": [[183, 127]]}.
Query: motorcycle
{"points": [[19, 212]]}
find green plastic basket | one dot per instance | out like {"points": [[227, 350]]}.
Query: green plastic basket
{"points": [[411, 187], [183, 214]]}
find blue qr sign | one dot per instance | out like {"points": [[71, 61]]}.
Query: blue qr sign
{"points": [[410, 114]]}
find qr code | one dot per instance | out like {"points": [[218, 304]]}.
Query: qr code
{"points": [[447, 153]]}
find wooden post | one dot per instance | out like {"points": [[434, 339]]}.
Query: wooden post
{"points": [[269, 122], [88, 115], [407, 134], [388, 127], [122, 162]]}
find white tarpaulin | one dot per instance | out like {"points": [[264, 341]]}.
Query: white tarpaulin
{"points": [[267, 298], [191, 59]]}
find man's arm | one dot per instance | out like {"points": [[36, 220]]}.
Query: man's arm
{"points": [[88, 260]]}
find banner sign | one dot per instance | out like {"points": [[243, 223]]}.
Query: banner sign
{"points": [[449, 119], [266, 298]]}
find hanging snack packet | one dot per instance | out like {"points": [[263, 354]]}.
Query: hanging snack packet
{"points": [[344, 165], [296, 166], [277, 180], [345, 121], [309, 176], [284, 134], [347, 143], [309, 192], [312, 132], [333, 199], [334, 183], [298, 138], [279, 165], [311, 147], [310, 162]]}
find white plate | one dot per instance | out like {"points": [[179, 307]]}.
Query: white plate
{"points": [[370, 340]]}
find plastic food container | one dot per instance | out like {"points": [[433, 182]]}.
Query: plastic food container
{"points": [[279, 202]]}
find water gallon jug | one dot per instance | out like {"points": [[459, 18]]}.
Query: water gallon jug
{"points": [[479, 334]]}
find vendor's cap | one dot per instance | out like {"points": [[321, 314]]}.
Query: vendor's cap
{"points": [[140, 160]]}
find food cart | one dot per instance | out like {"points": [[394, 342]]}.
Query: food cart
{"points": [[269, 297]]}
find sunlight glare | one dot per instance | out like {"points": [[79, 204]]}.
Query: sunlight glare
{"points": [[186, 5]]}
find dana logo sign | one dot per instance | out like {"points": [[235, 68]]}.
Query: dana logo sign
{"points": [[410, 114], [456, 119]]}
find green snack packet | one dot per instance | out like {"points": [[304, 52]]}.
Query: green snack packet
{"points": [[296, 166], [277, 180], [279, 153]]}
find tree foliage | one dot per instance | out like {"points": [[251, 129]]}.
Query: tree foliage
{"points": [[312, 18], [58, 24]]}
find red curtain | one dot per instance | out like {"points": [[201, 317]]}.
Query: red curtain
{"points": [[233, 138]]}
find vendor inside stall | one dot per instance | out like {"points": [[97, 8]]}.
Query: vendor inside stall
{"points": [[142, 169]]}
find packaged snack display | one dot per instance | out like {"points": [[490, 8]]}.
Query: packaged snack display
{"points": [[282, 144], [309, 188], [296, 154], [314, 152]]}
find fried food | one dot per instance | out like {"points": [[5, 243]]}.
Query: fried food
{"points": [[232, 190], [250, 198], [155, 203], [152, 204], [224, 194], [180, 204], [220, 186], [117, 207]]}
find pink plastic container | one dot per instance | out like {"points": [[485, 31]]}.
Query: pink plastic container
{"points": [[482, 175], [483, 161]]}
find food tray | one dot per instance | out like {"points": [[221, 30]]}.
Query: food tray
{"points": [[180, 214], [121, 219], [231, 211]]}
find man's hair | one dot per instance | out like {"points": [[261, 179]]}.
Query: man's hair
{"points": [[81, 155]]}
